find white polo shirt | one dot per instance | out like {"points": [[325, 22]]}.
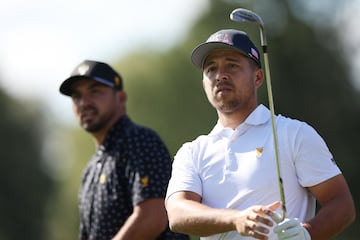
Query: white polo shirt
{"points": [[236, 169]]}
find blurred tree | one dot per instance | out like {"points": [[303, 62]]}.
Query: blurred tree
{"points": [[75, 147], [25, 185], [312, 82]]}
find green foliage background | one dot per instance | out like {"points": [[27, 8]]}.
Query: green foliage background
{"points": [[310, 80]]}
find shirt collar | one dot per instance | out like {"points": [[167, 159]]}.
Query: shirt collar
{"points": [[259, 116]]}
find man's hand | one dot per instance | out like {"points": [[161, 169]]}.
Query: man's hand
{"points": [[291, 229]]}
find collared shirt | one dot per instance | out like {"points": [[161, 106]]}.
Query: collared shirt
{"points": [[131, 165], [236, 169]]}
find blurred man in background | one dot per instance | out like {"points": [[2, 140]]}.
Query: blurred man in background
{"points": [[124, 184]]}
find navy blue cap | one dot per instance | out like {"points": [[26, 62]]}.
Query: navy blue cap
{"points": [[98, 71], [226, 39]]}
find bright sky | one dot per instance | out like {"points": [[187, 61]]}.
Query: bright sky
{"points": [[42, 41]]}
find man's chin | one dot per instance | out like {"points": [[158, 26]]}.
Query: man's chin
{"points": [[87, 127], [91, 128]]}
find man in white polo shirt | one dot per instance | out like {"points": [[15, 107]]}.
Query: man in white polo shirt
{"points": [[224, 185]]}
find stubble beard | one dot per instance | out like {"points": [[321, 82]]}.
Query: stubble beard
{"points": [[95, 124], [225, 103], [230, 104], [93, 127], [226, 106]]}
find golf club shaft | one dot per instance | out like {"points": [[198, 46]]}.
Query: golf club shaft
{"points": [[247, 16], [273, 124]]}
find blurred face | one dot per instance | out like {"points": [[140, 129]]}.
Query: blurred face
{"points": [[230, 81], [95, 105]]}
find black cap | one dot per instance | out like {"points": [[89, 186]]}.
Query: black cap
{"points": [[226, 39], [98, 71]]}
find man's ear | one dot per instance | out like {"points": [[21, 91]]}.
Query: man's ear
{"points": [[121, 95], [259, 77]]}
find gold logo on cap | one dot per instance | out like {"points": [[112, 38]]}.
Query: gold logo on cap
{"points": [[83, 69], [117, 81]]}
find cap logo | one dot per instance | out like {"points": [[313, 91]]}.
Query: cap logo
{"points": [[117, 81], [83, 69], [221, 38], [254, 53]]}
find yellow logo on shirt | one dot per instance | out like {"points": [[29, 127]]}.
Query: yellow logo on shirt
{"points": [[102, 178], [144, 181], [259, 151]]}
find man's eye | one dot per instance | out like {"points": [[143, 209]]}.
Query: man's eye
{"points": [[233, 67], [95, 91], [75, 97], [210, 69]]}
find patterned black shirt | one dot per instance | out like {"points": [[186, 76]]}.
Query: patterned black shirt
{"points": [[131, 165]]}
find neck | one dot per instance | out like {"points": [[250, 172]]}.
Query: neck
{"points": [[234, 119], [100, 135]]}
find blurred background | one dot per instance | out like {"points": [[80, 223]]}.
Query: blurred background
{"points": [[314, 60]]}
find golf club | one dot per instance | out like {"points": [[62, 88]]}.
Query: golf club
{"points": [[247, 16]]}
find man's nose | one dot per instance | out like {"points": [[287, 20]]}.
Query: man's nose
{"points": [[221, 74], [84, 100]]}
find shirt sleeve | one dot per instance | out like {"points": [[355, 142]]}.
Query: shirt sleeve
{"points": [[185, 176], [149, 167], [313, 161]]}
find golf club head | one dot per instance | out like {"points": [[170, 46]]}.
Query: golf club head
{"points": [[245, 15]]}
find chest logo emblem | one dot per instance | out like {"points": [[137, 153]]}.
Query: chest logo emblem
{"points": [[259, 151], [144, 181], [102, 179]]}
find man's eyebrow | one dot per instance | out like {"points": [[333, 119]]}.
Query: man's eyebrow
{"points": [[208, 63], [233, 59], [228, 58]]}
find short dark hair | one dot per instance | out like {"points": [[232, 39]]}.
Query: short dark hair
{"points": [[254, 65]]}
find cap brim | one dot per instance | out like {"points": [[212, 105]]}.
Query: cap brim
{"points": [[65, 87], [201, 52]]}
